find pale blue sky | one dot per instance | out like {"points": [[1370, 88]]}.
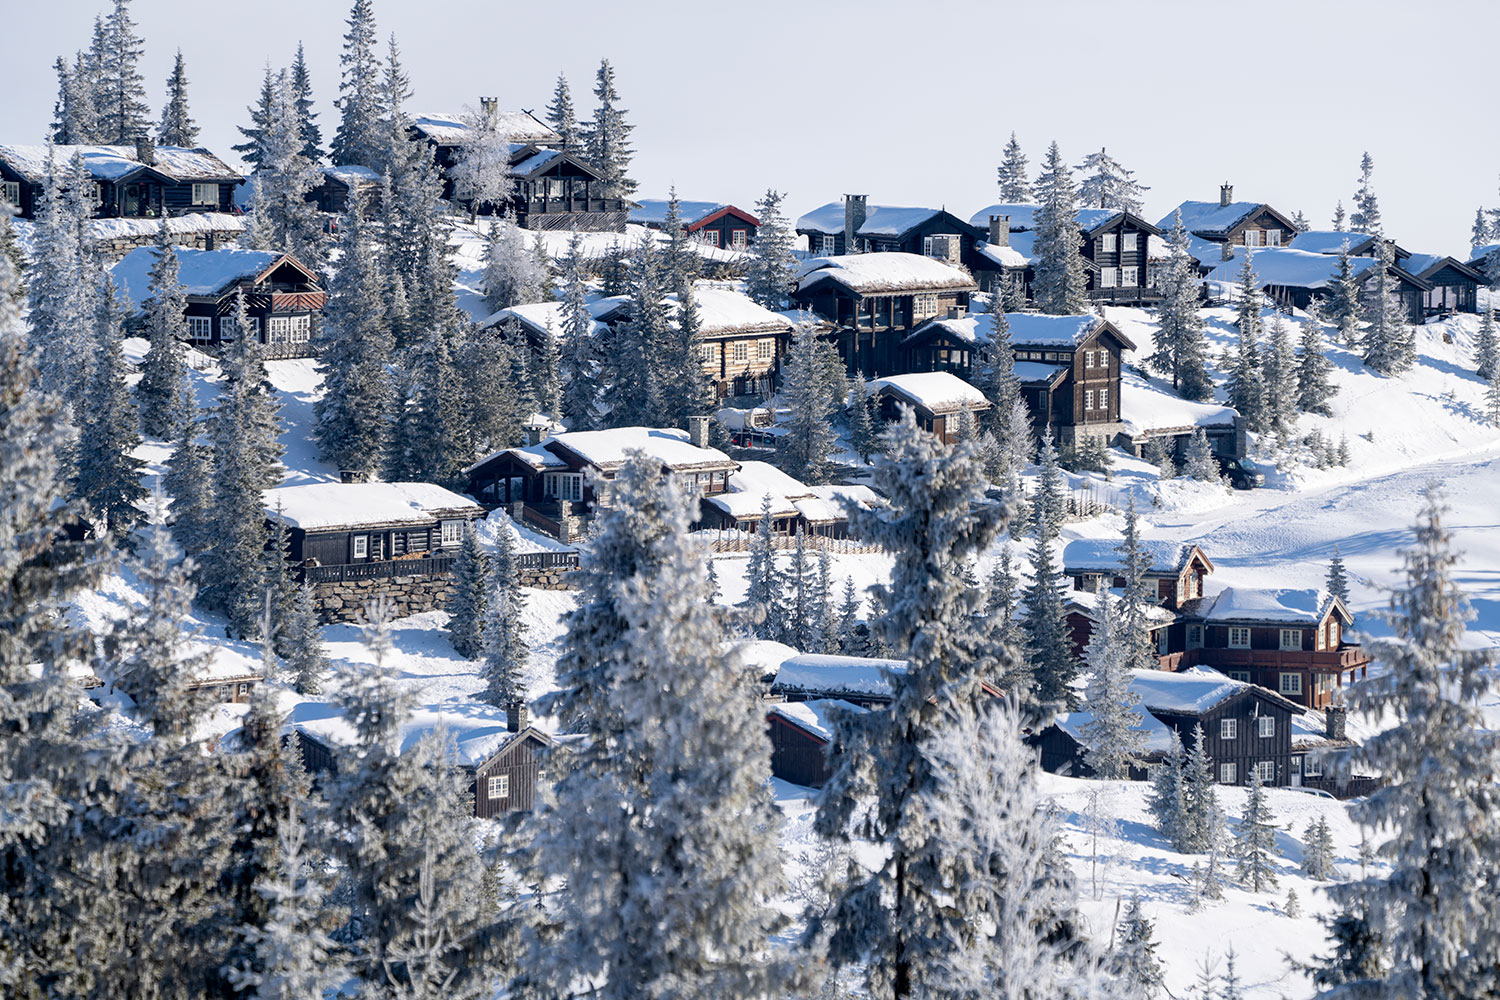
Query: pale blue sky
{"points": [[908, 102]]}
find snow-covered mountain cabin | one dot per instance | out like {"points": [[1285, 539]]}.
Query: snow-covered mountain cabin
{"points": [[340, 184], [1117, 250], [939, 400], [1453, 286], [714, 223], [875, 300], [1230, 222], [817, 510], [1294, 278], [855, 226], [1069, 367], [281, 296], [802, 739], [1174, 572], [140, 181]]}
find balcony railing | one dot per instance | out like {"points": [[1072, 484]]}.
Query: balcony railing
{"points": [[1319, 660], [547, 206], [427, 566], [286, 301]]}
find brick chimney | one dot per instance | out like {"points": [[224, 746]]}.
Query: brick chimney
{"points": [[854, 217], [697, 428], [1226, 194], [1335, 717], [145, 149], [515, 716], [999, 231]]}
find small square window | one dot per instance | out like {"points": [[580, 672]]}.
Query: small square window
{"points": [[499, 787], [1130, 277], [739, 239], [765, 350], [205, 194], [711, 237], [1107, 243], [828, 245], [1266, 769], [361, 546], [1229, 729], [10, 193], [1291, 638], [1266, 726], [1228, 774], [453, 533], [1239, 638], [1290, 684], [1239, 675], [1127, 242]]}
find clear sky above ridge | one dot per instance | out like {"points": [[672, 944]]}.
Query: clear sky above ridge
{"points": [[907, 102]]}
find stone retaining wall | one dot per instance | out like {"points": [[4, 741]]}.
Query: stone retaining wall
{"points": [[546, 579], [409, 595]]}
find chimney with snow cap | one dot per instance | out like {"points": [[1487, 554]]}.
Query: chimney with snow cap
{"points": [[999, 231], [854, 217], [1226, 194], [145, 150], [534, 434]]}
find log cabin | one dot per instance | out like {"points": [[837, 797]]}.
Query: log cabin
{"points": [[939, 400], [1174, 571], [444, 135], [1151, 410], [1234, 223], [1063, 746], [803, 746], [282, 297], [1454, 285], [140, 181], [338, 186], [1117, 248], [855, 226], [875, 300], [1485, 261], [713, 223], [1294, 278], [1070, 370], [795, 506]]}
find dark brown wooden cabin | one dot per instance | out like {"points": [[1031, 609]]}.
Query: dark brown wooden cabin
{"points": [[1174, 572], [939, 400], [1454, 285], [1244, 726], [1239, 223], [339, 185], [140, 181], [558, 190], [1069, 368], [1116, 250], [802, 739], [713, 223]]}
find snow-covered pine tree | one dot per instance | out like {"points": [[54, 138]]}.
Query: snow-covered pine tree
{"points": [[1342, 305], [798, 627], [106, 473], [562, 117], [1180, 344], [353, 413], [497, 406], [764, 598], [1340, 219], [1111, 735], [121, 95], [260, 118], [680, 261], [997, 380], [435, 426], [1167, 800], [278, 589], [685, 390], [1314, 388], [1158, 455], [546, 380], [1366, 215], [163, 394], [1486, 346], [772, 264], [281, 216], [1389, 345], [1300, 223], [1438, 798], [578, 363], [658, 827], [933, 526], [481, 170], [1133, 959], [1337, 584], [1256, 848], [305, 659], [1200, 801], [188, 481], [1050, 494], [10, 248], [1198, 460], [1279, 380], [1015, 179], [1106, 184], [1049, 646], [1135, 632], [503, 637], [607, 138], [631, 395], [826, 631], [511, 274], [56, 317], [1060, 287], [312, 135], [75, 116], [177, 125], [1246, 382], [398, 153], [812, 384], [1492, 398], [851, 641], [1001, 600], [1020, 441], [360, 137], [1317, 850], [863, 437]]}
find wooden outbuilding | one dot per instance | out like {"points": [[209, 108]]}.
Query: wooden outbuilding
{"points": [[803, 747], [939, 400], [713, 223]]}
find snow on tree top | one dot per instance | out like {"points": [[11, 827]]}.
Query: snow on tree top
{"points": [[824, 674], [112, 163], [1023, 217], [1162, 555], [475, 730], [870, 273], [814, 717], [447, 130], [318, 506], [1145, 407], [1291, 268], [1060, 331], [201, 272], [1328, 240], [935, 390], [1157, 737], [609, 448], [880, 220], [1209, 216], [653, 211]]}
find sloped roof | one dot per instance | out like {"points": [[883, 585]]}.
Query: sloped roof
{"points": [[1425, 265], [815, 673], [1195, 691], [936, 391], [1057, 331], [1023, 217], [721, 311], [351, 175], [1209, 217], [1163, 555], [880, 220], [1330, 241], [1146, 407], [1156, 736], [814, 717], [201, 272], [610, 448], [653, 212], [476, 731], [115, 162], [317, 506], [518, 125], [1289, 268], [969, 329], [1304, 606], [537, 316], [873, 273]]}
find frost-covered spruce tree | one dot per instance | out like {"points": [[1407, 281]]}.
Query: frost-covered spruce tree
{"points": [[1135, 632], [851, 642], [812, 384], [1180, 344], [1366, 215], [352, 414], [503, 637], [1337, 584], [10, 248], [1246, 382], [177, 125], [1015, 179], [76, 118], [1001, 600], [359, 137], [121, 95], [1111, 735], [799, 625], [630, 394], [1388, 343], [58, 318], [1486, 346], [163, 394], [863, 437], [1133, 960], [1106, 184], [1314, 388], [1020, 440], [305, 660], [497, 405], [1060, 287], [1492, 398], [1342, 304], [578, 363], [260, 117], [106, 473], [278, 588], [243, 366], [607, 137], [1439, 799], [312, 134], [1317, 850], [281, 217], [1200, 800], [1049, 647], [1050, 496], [681, 261], [1158, 455], [1256, 847], [1000, 386], [932, 527], [481, 171], [772, 265], [826, 632], [1279, 379], [764, 599], [659, 828], [1167, 800], [188, 482], [685, 389], [433, 425], [466, 604], [562, 117], [1198, 460]]}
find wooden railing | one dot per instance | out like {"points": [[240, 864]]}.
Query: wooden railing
{"points": [[741, 541], [541, 521], [1346, 658], [548, 560], [425, 566]]}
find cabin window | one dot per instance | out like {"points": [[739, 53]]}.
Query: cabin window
{"points": [[828, 245], [1107, 243], [1252, 237], [453, 533], [361, 546], [1127, 242], [1088, 399], [1266, 727], [708, 352], [1239, 675], [205, 194], [1106, 277], [1104, 399], [1291, 638], [739, 351], [1088, 359], [1291, 683], [10, 193], [278, 330], [301, 329], [1239, 638], [1228, 774], [1229, 729], [499, 786], [96, 193], [739, 239], [1312, 766], [1162, 647], [923, 306], [1195, 636], [1057, 356], [710, 236], [200, 328], [1130, 277], [563, 486], [1266, 769], [765, 350], [1273, 237]]}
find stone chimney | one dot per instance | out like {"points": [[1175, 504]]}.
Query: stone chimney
{"points": [[145, 149], [515, 716], [854, 217], [490, 106], [534, 433], [1226, 194], [1226, 252], [999, 231], [697, 428], [208, 240], [1335, 716], [955, 312]]}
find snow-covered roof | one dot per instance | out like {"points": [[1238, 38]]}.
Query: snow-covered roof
{"points": [[818, 673], [880, 220], [1087, 601], [1328, 240], [538, 161], [1163, 555], [1146, 407], [653, 211], [936, 391], [610, 448], [1057, 331], [1423, 264], [1255, 604], [518, 125], [1289, 268], [872, 273], [318, 506], [853, 493], [814, 717], [969, 329], [1006, 255], [1209, 216], [1023, 217], [476, 731], [1035, 372], [722, 311], [750, 484], [201, 272], [537, 316], [1157, 737], [352, 175], [110, 163], [1185, 692]]}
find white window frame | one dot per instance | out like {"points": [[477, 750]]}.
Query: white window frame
{"points": [[1108, 243], [1195, 635], [279, 330], [1104, 399], [1267, 771], [708, 353], [361, 547], [1239, 637], [301, 329], [828, 245], [1273, 237], [1312, 767], [710, 236], [1238, 675], [200, 328], [1088, 359], [1265, 727], [739, 239], [1252, 238], [1130, 277], [1228, 773], [1289, 683], [739, 352], [1088, 399], [1106, 277], [205, 194], [563, 486], [1128, 242], [451, 533], [498, 786], [10, 193], [1291, 638], [1229, 729], [765, 350]]}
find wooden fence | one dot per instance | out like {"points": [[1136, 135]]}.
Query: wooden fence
{"points": [[727, 540]]}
